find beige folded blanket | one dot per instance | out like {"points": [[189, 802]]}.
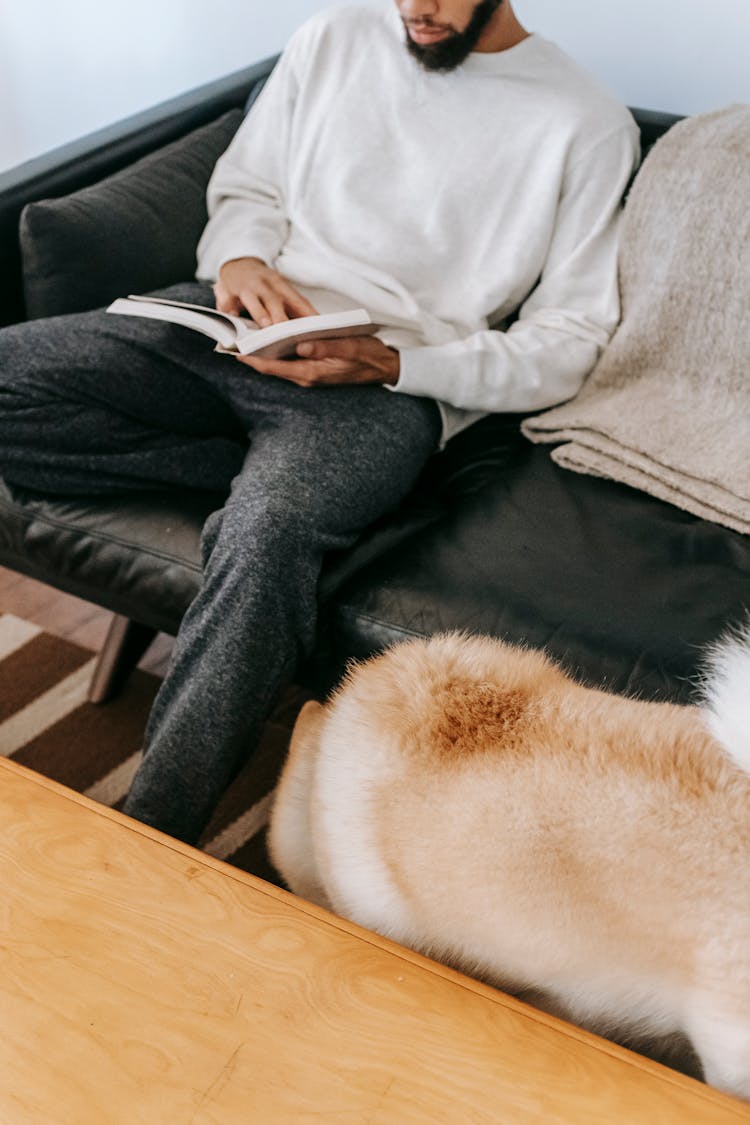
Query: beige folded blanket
{"points": [[667, 408]]}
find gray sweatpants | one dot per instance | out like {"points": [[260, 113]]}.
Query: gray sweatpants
{"points": [[94, 403]]}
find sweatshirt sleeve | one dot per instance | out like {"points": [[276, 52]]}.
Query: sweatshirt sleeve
{"points": [[566, 321], [246, 193]]}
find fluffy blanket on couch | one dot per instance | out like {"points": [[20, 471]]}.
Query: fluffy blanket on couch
{"points": [[667, 408]]}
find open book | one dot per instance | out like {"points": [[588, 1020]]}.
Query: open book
{"points": [[237, 335]]}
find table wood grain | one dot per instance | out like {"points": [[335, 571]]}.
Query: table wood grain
{"points": [[143, 981]]}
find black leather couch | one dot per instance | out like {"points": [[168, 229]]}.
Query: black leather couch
{"points": [[624, 589]]}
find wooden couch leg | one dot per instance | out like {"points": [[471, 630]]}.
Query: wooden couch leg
{"points": [[125, 645]]}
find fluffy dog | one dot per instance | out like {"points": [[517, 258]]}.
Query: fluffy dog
{"points": [[470, 800]]}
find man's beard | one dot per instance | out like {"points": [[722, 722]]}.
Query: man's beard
{"points": [[449, 53]]}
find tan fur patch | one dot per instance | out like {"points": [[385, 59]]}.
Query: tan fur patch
{"points": [[470, 718]]}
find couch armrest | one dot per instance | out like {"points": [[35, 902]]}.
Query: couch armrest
{"points": [[91, 158]]}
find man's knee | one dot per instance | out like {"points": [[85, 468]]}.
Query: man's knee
{"points": [[258, 528]]}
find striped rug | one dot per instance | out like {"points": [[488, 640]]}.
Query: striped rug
{"points": [[47, 724]]}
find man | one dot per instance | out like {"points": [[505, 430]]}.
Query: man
{"points": [[428, 160]]}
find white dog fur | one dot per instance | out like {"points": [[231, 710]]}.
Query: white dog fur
{"points": [[470, 800]]}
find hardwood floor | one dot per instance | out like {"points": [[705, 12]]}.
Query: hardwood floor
{"points": [[66, 616]]}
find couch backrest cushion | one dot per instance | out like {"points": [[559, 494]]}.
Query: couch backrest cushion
{"points": [[79, 251]]}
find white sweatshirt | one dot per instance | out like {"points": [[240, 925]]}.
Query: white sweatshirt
{"points": [[443, 203]]}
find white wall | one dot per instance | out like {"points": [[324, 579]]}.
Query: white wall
{"points": [[70, 66], [683, 56]]}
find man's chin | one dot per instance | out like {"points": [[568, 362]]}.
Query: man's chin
{"points": [[450, 51], [442, 54]]}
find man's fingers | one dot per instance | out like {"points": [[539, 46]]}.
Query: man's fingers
{"points": [[296, 304], [283, 302], [225, 302], [273, 304], [287, 368], [303, 373], [256, 306], [333, 348], [268, 304], [249, 284]]}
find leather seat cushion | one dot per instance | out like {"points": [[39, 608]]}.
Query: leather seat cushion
{"points": [[138, 556], [625, 590]]}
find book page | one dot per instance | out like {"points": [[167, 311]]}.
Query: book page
{"points": [[240, 323], [219, 326]]}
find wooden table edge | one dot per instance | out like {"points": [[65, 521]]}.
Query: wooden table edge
{"points": [[195, 855]]}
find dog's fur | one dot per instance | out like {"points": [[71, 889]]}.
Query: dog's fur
{"points": [[470, 800]]}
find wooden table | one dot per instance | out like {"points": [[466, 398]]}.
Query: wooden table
{"points": [[144, 982]]}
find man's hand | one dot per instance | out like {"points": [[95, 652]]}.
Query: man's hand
{"points": [[249, 284], [326, 363]]}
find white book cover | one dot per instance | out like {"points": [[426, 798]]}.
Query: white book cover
{"points": [[238, 335]]}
